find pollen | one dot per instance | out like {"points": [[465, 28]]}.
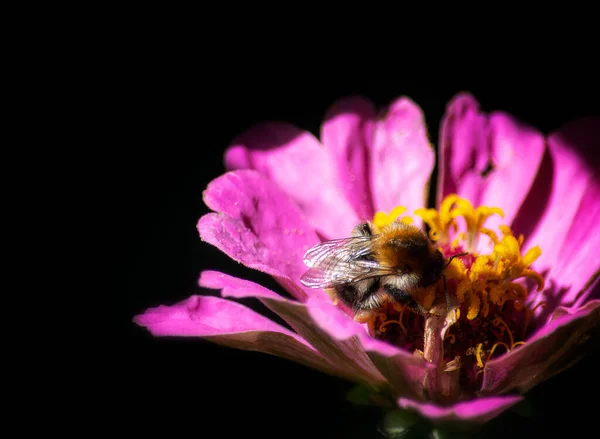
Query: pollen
{"points": [[489, 287]]}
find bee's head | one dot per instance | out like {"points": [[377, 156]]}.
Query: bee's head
{"points": [[434, 270]]}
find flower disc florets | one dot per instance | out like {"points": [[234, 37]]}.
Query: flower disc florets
{"points": [[486, 290]]}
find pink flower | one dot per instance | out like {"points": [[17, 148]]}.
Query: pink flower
{"points": [[525, 206]]}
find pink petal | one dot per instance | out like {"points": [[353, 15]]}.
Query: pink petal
{"points": [[230, 324], [233, 286], [570, 179], [259, 226], [464, 151], [479, 410], [350, 362], [580, 258], [339, 339], [556, 346], [404, 371], [470, 141], [402, 159], [568, 230], [302, 168], [346, 134]]}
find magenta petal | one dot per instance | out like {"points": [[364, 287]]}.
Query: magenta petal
{"points": [[346, 135], [556, 346], [302, 168], [230, 324], [479, 410], [569, 228], [402, 159], [570, 179], [464, 152], [404, 371], [343, 342], [470, 142], [233, 286], [579, 260], [258, 226], [349, 359], [205, 316]]}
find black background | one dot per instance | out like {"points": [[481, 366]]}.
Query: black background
{"points": [[176, 123]]}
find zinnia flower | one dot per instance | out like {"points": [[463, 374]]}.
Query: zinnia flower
{"points": [[524, 207]]}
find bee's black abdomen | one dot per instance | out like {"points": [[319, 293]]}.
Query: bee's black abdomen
{"points": [[356, 295], [397, 294]]}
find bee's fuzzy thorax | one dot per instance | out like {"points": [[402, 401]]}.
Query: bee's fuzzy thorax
{"points": [[403, 246]]}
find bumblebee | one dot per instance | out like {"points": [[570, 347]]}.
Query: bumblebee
{"points": [[373, 265]]}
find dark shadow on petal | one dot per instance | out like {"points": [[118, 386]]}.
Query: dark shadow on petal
{"points": [[536, 202], [268, 135], [583, 136], [552, 295], [595, 289]]}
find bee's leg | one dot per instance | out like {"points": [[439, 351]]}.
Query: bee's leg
{"points": [[366, 310], [446, 292], [449, 304], [397, 294], [404, 297], [417, 307], [365, 315]]}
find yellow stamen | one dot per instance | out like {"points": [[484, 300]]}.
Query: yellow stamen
{"points": [[474, 219], [528, 314], [539, 280], [500, 343], [456, 242], [542, 304], [491, 277], [397, 307], [480, 285], [382, 219], [478, 355], [400, 319], [497, 322], [492, 235], [440, 221], [473, 305]]}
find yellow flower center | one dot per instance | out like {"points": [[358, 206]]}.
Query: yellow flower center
{"points": [[489, 290]]}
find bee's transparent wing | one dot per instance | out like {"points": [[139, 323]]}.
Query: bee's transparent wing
{"points": [[338, 262], [338, 249]]}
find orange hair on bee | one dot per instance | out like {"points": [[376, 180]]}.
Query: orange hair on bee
{"points": [[401, 245]]}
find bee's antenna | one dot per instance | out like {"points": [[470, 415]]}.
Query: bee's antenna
{"points": [[454, 256]]}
